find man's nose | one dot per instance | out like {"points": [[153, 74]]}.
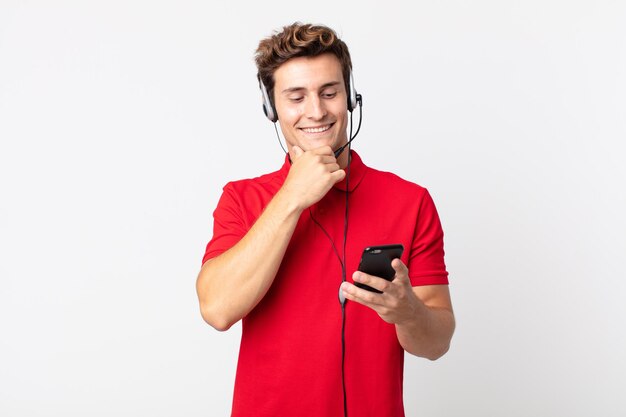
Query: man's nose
{"points": [[316, 109]]}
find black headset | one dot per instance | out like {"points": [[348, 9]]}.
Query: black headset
{"points": [[270, 110]]}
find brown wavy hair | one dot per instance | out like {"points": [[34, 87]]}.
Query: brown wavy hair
{"points": [[298, 40]]}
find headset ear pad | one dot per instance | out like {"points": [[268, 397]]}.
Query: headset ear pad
{"points": [[352, 100], [268, 104]]}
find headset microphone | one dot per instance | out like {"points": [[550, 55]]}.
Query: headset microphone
{"points": [[359, 102]]}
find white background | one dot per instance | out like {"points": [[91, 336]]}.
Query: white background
{"points": [[120, 121]]}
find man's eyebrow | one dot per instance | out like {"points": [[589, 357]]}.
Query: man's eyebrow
{"points": [[294, 89]]}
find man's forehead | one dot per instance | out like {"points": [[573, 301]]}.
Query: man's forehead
{"points": [[309, 73]]}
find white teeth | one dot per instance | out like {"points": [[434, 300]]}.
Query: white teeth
{"points": [[316, 129]]}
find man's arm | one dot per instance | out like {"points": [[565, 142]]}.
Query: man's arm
{"points": [[429, 334], [230, 285], [422, 315]]}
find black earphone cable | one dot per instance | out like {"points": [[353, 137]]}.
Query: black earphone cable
{"points": [[343, 279], [342, 259], [278, 136], [343, 272]]}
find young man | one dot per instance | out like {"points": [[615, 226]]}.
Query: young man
{"points": [[280, 242]]}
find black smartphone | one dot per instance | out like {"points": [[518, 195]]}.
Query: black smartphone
{"points": [[376, 260]]}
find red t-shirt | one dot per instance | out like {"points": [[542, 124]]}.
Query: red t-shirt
{"points": [[290, 354]]}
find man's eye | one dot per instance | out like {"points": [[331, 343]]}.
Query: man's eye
{"points": [[295, 99], [329, 95]]}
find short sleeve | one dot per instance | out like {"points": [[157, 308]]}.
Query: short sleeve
{"points": [[426, 260], [228, 224]]}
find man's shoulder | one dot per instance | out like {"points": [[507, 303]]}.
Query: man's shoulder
{"points": [[390, 180], [386, 186], [265, 181]]}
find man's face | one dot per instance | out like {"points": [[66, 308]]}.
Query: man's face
{"points": [[311, 102]]}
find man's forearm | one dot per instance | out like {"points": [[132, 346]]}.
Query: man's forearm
{"points": [[428, 335], [230, 285]]}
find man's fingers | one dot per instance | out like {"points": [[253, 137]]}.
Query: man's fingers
{"points": [[361, 296], [328, 159], [339, 175], [375, 282]]}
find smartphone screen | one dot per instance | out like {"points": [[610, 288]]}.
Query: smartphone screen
{"points": [[376, 260]]}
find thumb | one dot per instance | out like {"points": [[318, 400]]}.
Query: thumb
{"points": [[297, 152], [399, 267]]}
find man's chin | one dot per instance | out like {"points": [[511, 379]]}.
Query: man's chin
{"points": [[309, 145], [333, 142]]}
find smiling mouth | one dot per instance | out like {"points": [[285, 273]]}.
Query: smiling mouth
{"points": [[319, 129]]}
